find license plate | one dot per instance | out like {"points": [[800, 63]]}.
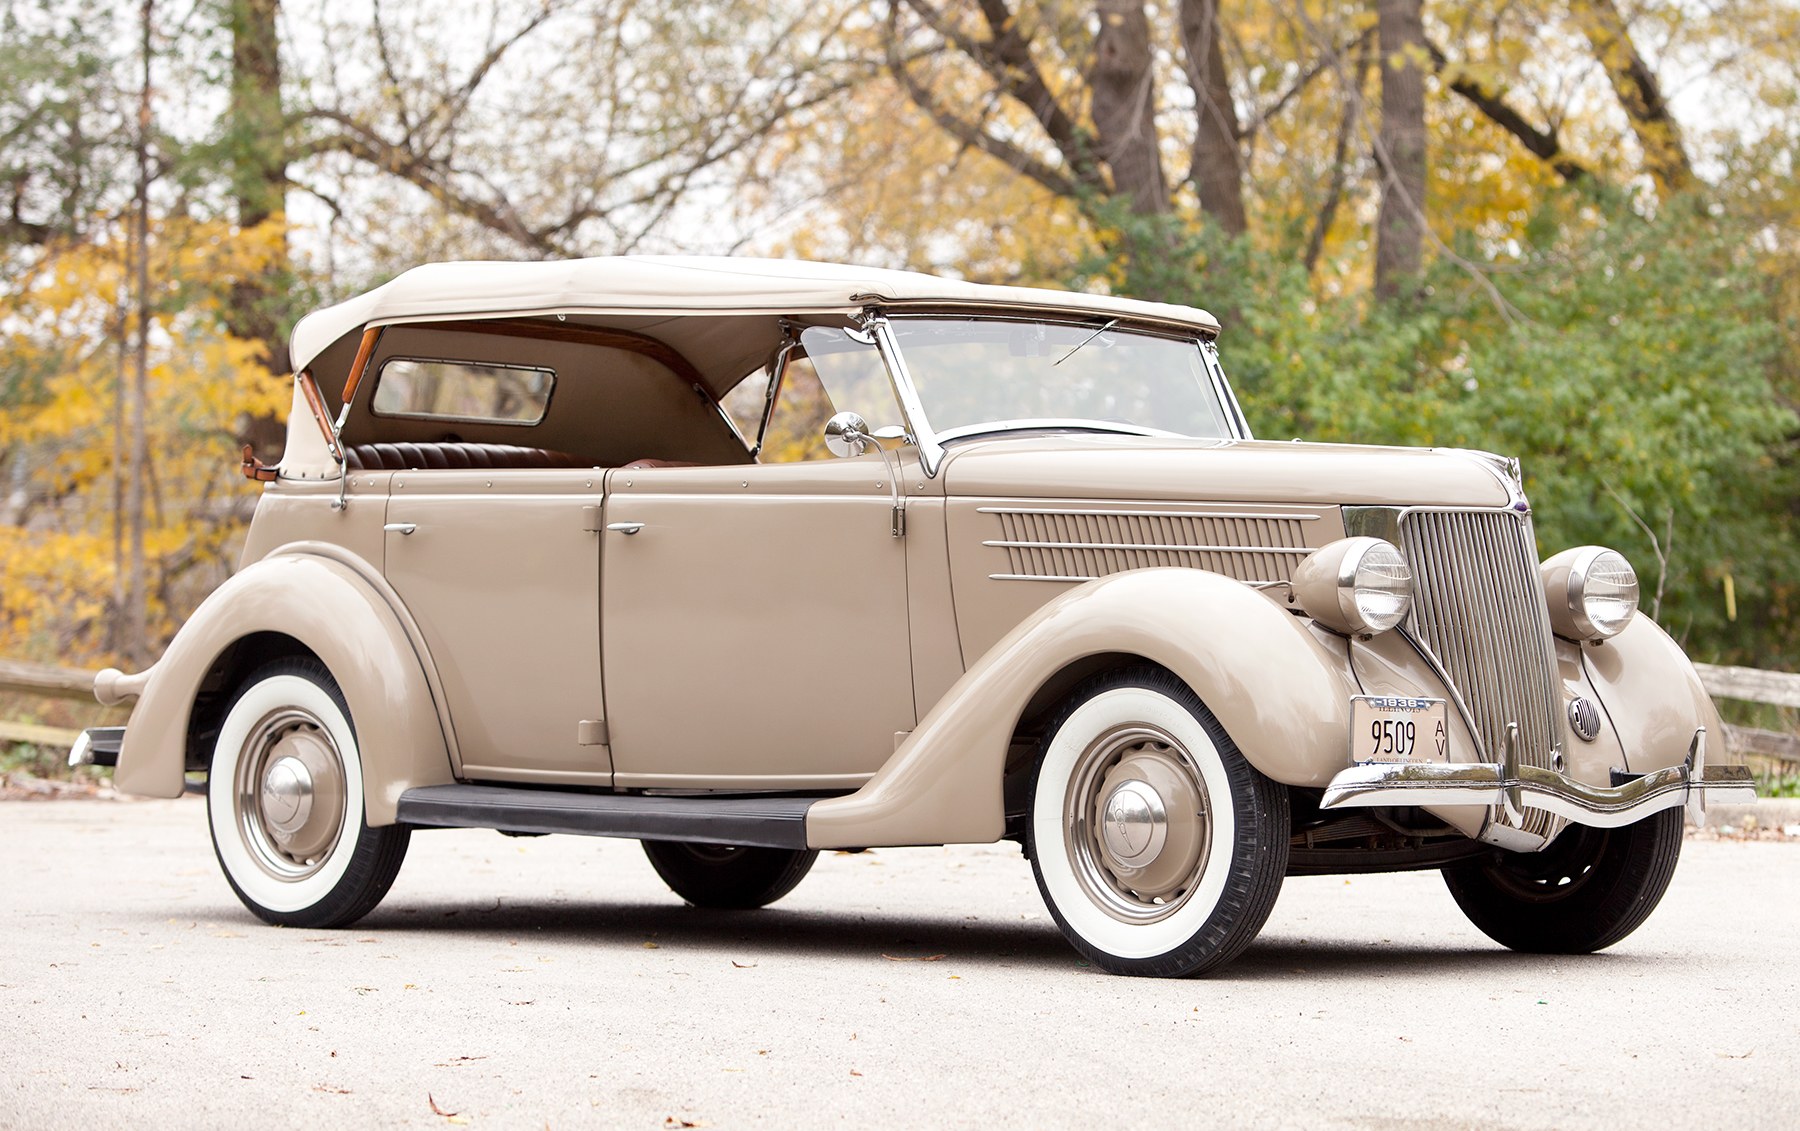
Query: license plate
{"points": [[1390, 728]]}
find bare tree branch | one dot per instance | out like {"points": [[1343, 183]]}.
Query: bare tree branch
{"points": [[1006, 58], [1541, 143], [1340, 159], [971, 134]]}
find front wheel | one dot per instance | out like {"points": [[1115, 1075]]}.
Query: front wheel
{"points": [[284, 799], [1590, 888], [1158, 849], [727, 876]]}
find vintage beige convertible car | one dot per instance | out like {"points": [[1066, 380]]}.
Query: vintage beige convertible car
{"points": [[748, 559]]}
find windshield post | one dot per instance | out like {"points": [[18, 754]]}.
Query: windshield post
{"points": [[931, 453], [1209, 349]]}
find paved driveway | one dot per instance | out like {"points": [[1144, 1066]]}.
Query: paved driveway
{"points": [[556, 982]]}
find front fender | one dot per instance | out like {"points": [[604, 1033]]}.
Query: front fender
{"points": [[1280, 691], [1652, 697], [319, 596]]}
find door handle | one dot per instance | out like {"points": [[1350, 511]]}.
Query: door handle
{"points": [[401, 527], [625, 527]]}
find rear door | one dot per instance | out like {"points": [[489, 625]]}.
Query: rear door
{"points": [[501, 569]]}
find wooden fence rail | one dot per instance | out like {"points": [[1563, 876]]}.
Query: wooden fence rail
{"points": [[1750, 684], [48, 682], [1753, 685]]}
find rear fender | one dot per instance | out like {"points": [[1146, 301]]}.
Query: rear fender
{"points": [[1279, 687], [339, 609]]}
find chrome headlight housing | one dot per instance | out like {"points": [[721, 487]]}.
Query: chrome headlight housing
{"points": [[1592, 592], [1355, 585]]}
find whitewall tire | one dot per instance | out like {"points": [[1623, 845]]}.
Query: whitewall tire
{"points": [[284, 799], [1158, 849]]}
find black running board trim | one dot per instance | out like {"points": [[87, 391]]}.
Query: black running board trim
{"points": [[764, 822]]}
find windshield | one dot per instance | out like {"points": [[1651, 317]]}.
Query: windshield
{"points": [[973, 374]]}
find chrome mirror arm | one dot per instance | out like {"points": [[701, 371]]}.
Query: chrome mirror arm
{"points": [[848, 434]]}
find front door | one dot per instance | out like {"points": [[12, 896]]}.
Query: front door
{"points": [[501, 569], [755, 625]]}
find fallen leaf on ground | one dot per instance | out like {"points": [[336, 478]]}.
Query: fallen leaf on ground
{"points": [[651, 946], [435, 1109], [743, 965], [911, 958], [854, 1072]]}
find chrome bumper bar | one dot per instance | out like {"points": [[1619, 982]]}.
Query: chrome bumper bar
{"points": [[97, 746], [1511, 787]]}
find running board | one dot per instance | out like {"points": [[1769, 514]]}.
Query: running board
{"points": [[763, 822]]}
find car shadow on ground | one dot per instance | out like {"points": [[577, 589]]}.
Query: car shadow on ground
{"points": [[777, 930], [879, 937]]}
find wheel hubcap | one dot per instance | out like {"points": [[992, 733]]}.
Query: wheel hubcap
{"points": [[1135, 825], [290, 794], [1140, 822]]}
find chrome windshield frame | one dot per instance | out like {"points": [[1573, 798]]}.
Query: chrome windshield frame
{"points": [[931, 452], [875, 324]]}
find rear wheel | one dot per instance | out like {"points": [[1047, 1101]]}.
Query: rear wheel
{"points": [[1585, 892], [726, 876], [1158, 849], [284, 799]]}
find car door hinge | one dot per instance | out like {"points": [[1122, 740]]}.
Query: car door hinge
{"points": [[899, 520], [592, 732], [590, 519]]}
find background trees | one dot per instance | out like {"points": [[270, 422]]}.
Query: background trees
{"points": [[1560, 228]]}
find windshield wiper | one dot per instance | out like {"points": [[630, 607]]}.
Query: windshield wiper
{"points": [[1109, 325]]}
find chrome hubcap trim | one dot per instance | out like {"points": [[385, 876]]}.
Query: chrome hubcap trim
{"points": [[1139, 821], [287, 795], [290, 794], [1134, 825]]}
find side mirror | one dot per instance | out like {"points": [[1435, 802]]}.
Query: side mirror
{"points": [[847, 434]]}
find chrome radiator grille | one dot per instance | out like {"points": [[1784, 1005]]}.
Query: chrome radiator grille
{"points": [[1079, 545], [1479, 607]]}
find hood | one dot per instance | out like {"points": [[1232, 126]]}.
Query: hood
{"points": [[1089, 466]]}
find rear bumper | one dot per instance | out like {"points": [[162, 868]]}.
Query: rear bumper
{"points": [[1512, 788], [97, 746]]}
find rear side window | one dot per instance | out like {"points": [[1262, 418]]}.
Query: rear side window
{"points": [[484, 392]]}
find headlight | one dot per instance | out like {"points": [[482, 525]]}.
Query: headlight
{"points": [[1592, 592], [1356, 585]]}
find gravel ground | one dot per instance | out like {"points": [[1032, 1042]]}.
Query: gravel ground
{"points": [[555, 982]]}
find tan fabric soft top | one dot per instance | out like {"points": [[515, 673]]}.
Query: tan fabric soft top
{"points": [[674, 284]]}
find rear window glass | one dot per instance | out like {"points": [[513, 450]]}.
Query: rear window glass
{"points": [[463, 390]]}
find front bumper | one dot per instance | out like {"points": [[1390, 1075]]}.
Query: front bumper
{"points": [[1510, 788]]}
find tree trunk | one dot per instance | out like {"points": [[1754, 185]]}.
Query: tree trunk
{"points": [[258, 151], [1123, 84], [1400, 145], [257, 157], [1218, 174], [136, 598]]}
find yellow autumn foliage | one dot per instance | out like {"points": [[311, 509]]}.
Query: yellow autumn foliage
{"points": [[66, 324]]}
